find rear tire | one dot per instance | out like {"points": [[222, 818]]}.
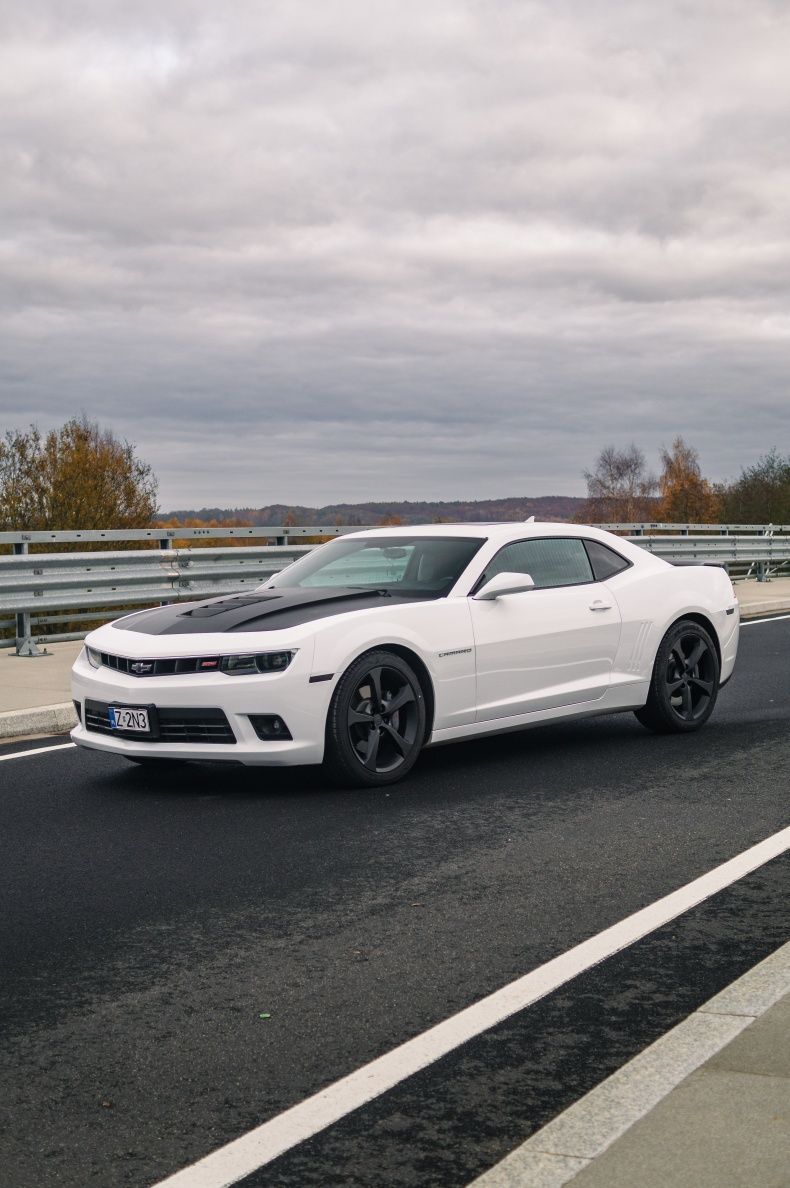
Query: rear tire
{"points": [[685, 681], [375, 728]]}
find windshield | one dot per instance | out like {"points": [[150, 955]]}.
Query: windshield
{"points": [[423, 566]]}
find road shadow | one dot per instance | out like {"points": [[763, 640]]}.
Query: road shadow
{"points": [[613, 751]]}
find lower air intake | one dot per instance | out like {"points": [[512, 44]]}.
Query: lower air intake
{"points": [[168, 725]]}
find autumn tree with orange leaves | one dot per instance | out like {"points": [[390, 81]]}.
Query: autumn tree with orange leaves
{"points": [[78, 476], [685, 496]]}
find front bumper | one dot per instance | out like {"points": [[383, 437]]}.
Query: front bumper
{"points": [[290, 695]]}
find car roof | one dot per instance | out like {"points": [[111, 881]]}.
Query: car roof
{"points": [[484, 531], [501, 533]]}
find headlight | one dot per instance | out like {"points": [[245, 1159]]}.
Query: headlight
{"points": [[94, 657], [255, 662]]}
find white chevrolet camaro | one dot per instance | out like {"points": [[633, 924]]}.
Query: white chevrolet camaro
{"points": [[379, 643]]}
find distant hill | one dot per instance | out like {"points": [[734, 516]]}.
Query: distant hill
{"points": [[544, 507]]}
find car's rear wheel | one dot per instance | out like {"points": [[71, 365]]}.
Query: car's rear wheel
{"points": [[376, 722], [685, 681]]}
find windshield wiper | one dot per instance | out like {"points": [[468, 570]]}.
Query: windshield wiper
{"points": [[373, 590]]}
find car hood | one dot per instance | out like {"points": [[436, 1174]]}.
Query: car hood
{"points": [[264, 610]]}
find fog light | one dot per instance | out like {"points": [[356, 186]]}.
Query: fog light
{"points": [[270, 727]]}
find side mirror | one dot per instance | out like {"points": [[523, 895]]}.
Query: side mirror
{"points": [[504, 583]]}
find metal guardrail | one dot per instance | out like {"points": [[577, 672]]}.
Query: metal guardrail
{"points": [[646, 528], [732, 550], [281, 534], [67, 589], [751, 550], [69, 582]]}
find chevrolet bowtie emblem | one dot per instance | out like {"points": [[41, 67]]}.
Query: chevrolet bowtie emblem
{"points": [[139, 667]]}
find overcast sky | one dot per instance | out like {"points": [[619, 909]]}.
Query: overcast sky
{"points": [[345, 249]]}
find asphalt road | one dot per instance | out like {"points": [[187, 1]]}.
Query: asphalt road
{"points": [[148, 921]]}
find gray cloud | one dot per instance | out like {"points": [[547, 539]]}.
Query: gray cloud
{"points": [[313, 252]]}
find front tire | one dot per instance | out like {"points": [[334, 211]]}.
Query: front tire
{"points": [[685, 681], [376, 723]]}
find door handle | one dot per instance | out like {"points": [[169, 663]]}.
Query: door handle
{"points": [[599, 606]]}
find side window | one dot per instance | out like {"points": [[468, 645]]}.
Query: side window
{"points": [[605, 561], [555, 561]]}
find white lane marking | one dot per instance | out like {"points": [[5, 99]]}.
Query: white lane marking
{"points": [[588, 1128], [757, 622], [37, 751], [263, 1144]]}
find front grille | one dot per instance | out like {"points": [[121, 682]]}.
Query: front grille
{"points": [[167, 725], [149, 668]]}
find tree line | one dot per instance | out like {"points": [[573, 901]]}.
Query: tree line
{"points": [[622, 489], [83, 476]]}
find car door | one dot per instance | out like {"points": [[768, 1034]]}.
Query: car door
{"points": [[550, 646]]}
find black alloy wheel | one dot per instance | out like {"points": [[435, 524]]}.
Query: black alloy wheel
{"points": [[685, 681], [376, 722]]}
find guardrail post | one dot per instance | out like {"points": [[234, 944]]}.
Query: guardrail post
{"points": [[764, 568], [25, 644], [166, 543]]}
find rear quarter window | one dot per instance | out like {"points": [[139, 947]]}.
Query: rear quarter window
{"points": [[605, 561]]}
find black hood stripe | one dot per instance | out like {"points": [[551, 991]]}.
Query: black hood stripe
{"points": [[269, 610]]}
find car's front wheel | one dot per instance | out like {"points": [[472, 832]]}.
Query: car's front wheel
{"points": [[685, 681], [376, 723]]}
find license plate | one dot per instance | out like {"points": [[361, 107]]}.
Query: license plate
{"points": [[129, 719]]}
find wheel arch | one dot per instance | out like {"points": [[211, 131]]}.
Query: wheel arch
{"points": [[421, 671], [424, 677], [703, 621]]}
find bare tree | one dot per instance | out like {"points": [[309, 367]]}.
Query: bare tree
{"points": [[620, 488]]}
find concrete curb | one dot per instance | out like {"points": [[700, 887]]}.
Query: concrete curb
{"points": [[44, 719], [758, 609], [576, 1138]]}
